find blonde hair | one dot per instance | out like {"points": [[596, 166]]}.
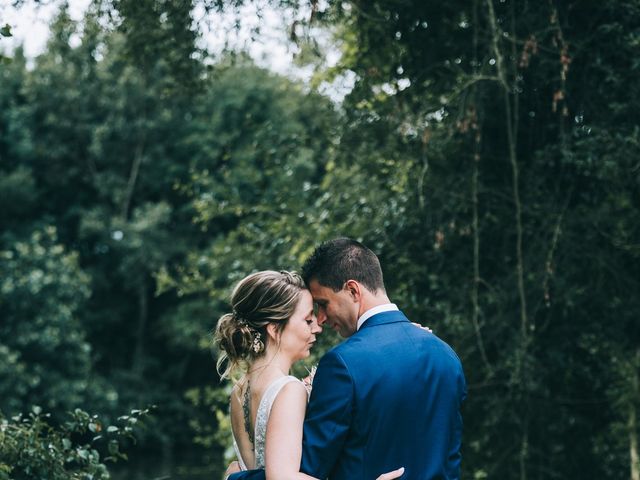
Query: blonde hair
{"points": [[258, 300]]}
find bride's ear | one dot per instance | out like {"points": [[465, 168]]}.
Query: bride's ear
{"points": [[272, 331]]}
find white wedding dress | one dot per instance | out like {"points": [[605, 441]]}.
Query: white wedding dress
{"points": [[262, 417]]}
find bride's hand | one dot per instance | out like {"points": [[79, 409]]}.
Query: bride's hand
{"points": [[424, 328], [389, 475], [234, 467]]}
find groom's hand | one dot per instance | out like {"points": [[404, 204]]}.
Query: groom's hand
{"points": [[234, 467]]}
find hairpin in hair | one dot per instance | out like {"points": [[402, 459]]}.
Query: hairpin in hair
{"points": [[258, 344], [241, 321]]}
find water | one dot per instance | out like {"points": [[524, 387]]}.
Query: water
{"points": [[150, 468]]}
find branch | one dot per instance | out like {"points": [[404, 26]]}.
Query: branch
{"points": [[133, 177], [515, 172]]}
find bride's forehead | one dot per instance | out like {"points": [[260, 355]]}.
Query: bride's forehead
{"points": [[305, 300]]}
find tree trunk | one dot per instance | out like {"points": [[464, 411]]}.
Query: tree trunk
{"points": [[510, 94], [524, 453], [133, 177], [512, 128], [143, 314], [633, 443], [477, 131], [476, 256], [633, 422]]}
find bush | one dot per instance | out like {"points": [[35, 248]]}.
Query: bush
{"points": [[32, 448]]}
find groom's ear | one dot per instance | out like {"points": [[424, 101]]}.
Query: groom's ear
{"points": [[354, 289]]}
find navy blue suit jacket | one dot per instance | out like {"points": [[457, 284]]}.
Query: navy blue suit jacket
{"points": [[387, 397]]}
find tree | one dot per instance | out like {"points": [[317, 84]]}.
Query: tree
{"points": [[46, 358], [495, 136], [502, 140], [31, 448]]}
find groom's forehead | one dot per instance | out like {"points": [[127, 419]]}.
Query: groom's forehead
{"points": [[318, 291], [323, 295]]}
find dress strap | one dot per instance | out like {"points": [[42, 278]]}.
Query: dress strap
{"points": [[270, 394]]}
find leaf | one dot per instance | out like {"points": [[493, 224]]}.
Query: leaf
{"points": [[6, 31], [95, 427], [114, 447]]}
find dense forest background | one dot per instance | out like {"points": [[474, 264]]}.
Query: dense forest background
{"points": [[489, 152]]}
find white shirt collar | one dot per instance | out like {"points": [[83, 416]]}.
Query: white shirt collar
{"points": [[386, 307]]}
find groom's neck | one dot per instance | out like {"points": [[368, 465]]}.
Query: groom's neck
{"points": [[374, 299]]}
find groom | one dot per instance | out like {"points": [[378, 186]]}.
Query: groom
{"points": [[387, 397]]}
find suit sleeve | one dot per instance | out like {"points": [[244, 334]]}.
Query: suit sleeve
{"points": [[454, 457], [328, 416], [248, 475]]}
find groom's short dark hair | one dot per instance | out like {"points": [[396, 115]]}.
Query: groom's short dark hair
{"points": [[341, 259]]}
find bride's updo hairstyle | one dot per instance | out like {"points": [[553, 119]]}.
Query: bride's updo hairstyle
{"points": [[258, 300]]}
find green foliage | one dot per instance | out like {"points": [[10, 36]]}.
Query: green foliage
{"points": [[5, 32], [430, 102], [262, 147], [32, 448], [160, 36], [18, 194], [133, 165], [487, 152], [213, 436], [46, 356]]}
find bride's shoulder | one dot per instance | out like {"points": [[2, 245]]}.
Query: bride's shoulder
{"points": [[292, 397], [293, 384], [293, 390]]}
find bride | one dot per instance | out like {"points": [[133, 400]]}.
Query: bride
{"points": [[271, 326]]}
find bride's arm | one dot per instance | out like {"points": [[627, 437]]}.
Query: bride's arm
{"points": [[283, 446]]}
